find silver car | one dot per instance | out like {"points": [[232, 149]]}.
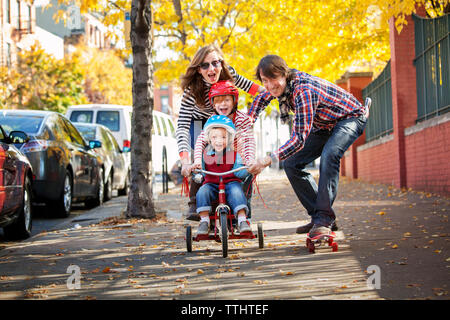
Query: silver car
{"points": [[117, 171]]}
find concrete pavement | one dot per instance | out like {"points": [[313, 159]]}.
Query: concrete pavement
{"points": [[402, 235]]}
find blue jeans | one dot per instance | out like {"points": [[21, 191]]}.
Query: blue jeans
{"points": [[235, 197], [330, 146]]}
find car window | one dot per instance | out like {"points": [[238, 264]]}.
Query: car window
{"points": [[106, 141], [75, 136], [88, 133], [163, 123], [82, 116], [113, 141], [158, 129], [171, 129], [58, 129], [30, 124], [109, 119]]}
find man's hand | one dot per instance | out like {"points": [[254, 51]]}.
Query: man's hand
{"points": [[259, 166]]}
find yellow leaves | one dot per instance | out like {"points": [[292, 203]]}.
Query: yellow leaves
{"points": [[381, 213]]}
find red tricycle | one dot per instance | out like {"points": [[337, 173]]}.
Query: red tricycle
{"points": [[225, 229]]}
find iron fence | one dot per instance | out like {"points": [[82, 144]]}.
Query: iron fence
{"points": [[432, 44], [380, 120]]}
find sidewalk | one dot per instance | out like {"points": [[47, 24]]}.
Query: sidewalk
{"points": [[403, 233]]}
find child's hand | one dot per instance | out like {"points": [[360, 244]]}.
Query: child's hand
{"points": [[197, 166]]}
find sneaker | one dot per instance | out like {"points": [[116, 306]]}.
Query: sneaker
{"points": [[318, 230], [307, 227], [203, 228], [244, 226]]}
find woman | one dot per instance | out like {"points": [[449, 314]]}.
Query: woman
{"points": [[327, 120], [206, 68]]}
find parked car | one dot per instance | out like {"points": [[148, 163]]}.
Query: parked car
{"points": [[117, 168], [15, 188], [65, 167], [117, 118]]}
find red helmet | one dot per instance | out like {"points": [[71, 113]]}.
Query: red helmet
{"points": [[223, 88]]}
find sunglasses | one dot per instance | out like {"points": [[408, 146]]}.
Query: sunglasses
{"points": [[215, 64]]}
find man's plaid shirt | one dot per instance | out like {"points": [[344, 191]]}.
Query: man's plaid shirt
{"points": [[317, 105]]}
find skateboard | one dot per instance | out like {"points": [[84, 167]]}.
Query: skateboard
{"points": [[312, 243]]}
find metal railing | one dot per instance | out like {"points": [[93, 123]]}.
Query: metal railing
{"points": [[432, 44], [379, 122]]}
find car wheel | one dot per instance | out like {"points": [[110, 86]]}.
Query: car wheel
{"points": [[21, 228], [98, 199], [126, 187], [108, 188], [64, 203]]}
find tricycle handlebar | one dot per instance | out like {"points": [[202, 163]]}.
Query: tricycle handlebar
{"points": [[219, 173]]}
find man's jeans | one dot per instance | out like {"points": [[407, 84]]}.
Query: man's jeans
{"points": [[235, 197], [330, 146]]}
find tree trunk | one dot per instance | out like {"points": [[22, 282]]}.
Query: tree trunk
{"points": [[140, 198]]}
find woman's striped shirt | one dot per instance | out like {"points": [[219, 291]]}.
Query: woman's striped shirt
{"points": [[190, 111]]}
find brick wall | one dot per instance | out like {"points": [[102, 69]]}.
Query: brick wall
{"points": [[428, 156]]}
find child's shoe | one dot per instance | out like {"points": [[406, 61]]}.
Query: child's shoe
{"points": [[244, 226], [203, 228]]}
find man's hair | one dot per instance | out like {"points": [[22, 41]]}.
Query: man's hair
{"points": [[272, 66]]}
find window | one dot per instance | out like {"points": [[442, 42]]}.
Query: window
{"points": [[109, 119], [75, 136], [163, 122], [18, 14], [81, 116], [158, 129], [87, 132], [113, 141], [8, 54], [171, 129], [8, 11], [165, 104], [27, 123], [28, 18]]}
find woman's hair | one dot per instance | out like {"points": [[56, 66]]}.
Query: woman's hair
{"points": [[193, 80], [273, 66]]}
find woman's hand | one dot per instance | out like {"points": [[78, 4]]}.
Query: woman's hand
{"points": [[186, 169]]}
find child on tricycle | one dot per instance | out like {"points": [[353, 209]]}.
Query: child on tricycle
{"points": [[219, 156]]}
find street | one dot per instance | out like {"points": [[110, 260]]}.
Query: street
{"points": [[393, 244]]}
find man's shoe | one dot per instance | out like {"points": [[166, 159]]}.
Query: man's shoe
{"points": [[192, 213], [307, 227], [203, 228], [304, 228], [244, 226], [334, 227], [318, 230], [193, 216]]}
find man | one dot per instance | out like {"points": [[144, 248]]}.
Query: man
{"points": [[327, 120]]}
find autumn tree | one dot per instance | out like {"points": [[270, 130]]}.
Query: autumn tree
{"points": [[40, 81], [106, 78]]}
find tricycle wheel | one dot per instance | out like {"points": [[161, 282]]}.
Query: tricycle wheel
{"points": [[224, 233], [189, 238], [260, 236], [311, 247], [334, 246]]}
